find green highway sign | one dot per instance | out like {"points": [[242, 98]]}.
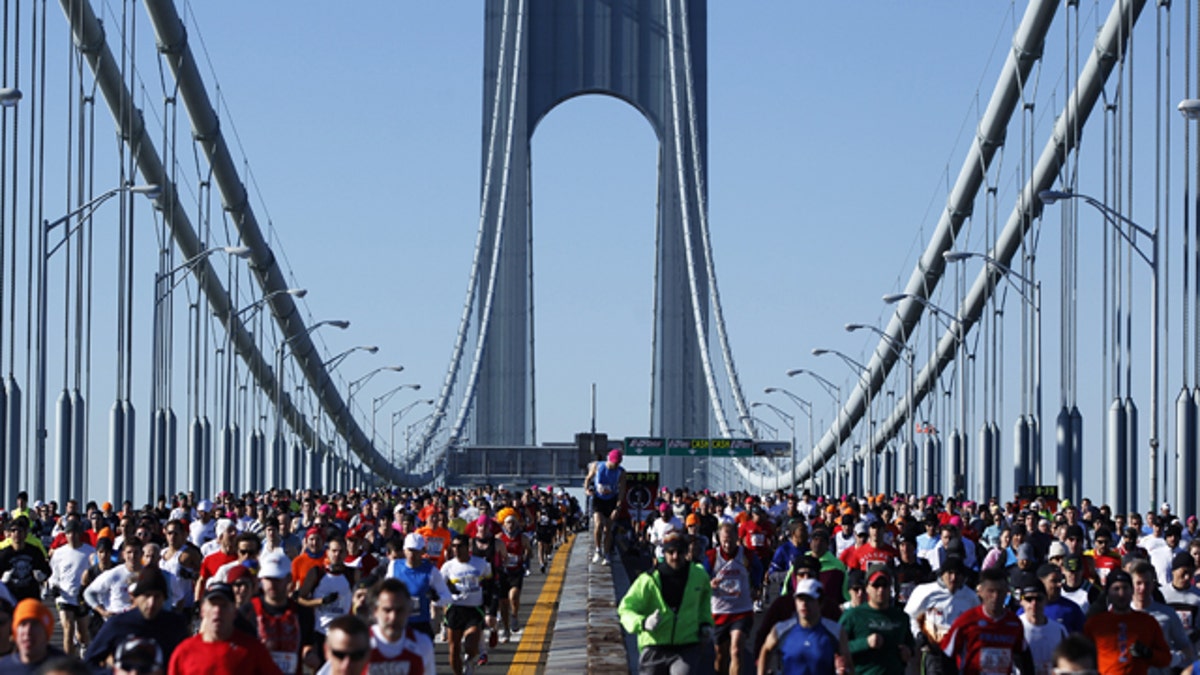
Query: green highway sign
{"points": [[641, 446], [687, 447], [732, 447], [772, 449]]}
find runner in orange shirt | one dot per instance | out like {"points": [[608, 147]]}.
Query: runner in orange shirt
{"points": [[437, 537]]}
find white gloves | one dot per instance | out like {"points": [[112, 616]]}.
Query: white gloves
{"points": [[652, 621], [7, 576]]}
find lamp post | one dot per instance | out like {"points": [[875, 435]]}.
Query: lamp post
{"points": [[162, 452], [1030, 292], [959, 453], [1186, 403], [380, 401], [806, 408], [862, 377], [836, 392], [905, 352], [229, 436], [788, 419], [356, 384], [1116, 219], [9, 97], [280, 351], [399, 415]]}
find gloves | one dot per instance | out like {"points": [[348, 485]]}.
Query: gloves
{"points": [[7, 576], [330, 599], [651, 622], [1139, 651]]}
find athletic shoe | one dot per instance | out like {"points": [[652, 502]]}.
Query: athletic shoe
{"points": [[604, 561], [505, 636], [516, 625], [596, 557], [482, 660], [543, 569]]}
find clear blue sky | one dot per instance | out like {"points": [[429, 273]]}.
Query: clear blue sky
{"points": [[834, 130]]}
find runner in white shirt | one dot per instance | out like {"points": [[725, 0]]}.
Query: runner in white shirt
{"points": [[464, 575], [67, 565], [1041, 634]]}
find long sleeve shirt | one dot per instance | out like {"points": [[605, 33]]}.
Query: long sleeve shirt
{"points": [[67, 566], [110, 590]]}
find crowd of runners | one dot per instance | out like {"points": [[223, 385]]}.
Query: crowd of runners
{"points": [[275, 582], [899, 584]]}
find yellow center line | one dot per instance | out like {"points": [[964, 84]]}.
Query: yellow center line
{"points": [[528, 658]]}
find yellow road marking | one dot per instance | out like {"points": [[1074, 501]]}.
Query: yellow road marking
{"points": [[528, 659]]}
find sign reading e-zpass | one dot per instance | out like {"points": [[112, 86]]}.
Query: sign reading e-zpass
{"points": [[638, 446]]}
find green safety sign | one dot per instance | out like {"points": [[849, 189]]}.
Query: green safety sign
{"points": [[641, 446]]}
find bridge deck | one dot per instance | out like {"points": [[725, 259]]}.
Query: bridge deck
{"points": [[569, 621]]}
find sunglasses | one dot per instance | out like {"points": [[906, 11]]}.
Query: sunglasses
{"points": [[356, 655], [880, 584], [1033, 598], [247, 551]]}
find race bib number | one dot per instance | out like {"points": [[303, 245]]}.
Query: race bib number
{"points": [[758, 540], [995, 661], [434, 547], [604, 489], [286, 661], [512, 561], [730, 588]]}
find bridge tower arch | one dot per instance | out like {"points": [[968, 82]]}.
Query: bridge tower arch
{"points": [[537, 54]]}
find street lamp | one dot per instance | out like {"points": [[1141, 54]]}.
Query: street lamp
{"points": [[836, 392], [336, 361], [905, 352], [379, 401], [788, 419], [9, 97], [1031, 292], [1116, 219], [862, 377], [162, 476], [806, 408], [280, 350], [399, 415]]}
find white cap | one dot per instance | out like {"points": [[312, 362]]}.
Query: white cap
{"points": [[414, 541], [1166, 506], [809, 587], [224, 525], [274, 567], [204, 505]]}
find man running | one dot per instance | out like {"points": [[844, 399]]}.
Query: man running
{"points": [[605, 483]]}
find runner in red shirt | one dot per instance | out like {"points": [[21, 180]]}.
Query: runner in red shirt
{"points": [[989, 639], [757, 534], [1104, 560], [876, 550]]}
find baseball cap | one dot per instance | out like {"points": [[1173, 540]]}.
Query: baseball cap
{"points": [[614, 456], [807, 562], [1075, 531], [204, 505], [1182, 560], [808, 587], [1028, 584], [273, 567], [414, 542], [861, 528], [876, 571], [139, 654], [237, 573], [1073, 562], [664, 507], [219, 590], [692, 519], [1116, 577], [224, 525], [855, 579]]}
